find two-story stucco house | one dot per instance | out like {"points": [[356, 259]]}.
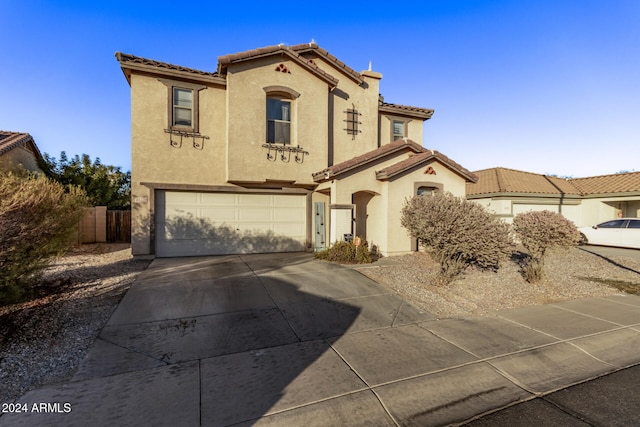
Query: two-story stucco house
{"points": [[282, 148]]}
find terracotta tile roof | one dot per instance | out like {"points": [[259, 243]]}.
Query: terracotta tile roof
{"points": [[405, 110], [307, 48], [290, 52], [131, 62], [605, 184], [11, 140], [502, 180], [421, 155], [426, 156], [399, 145]]}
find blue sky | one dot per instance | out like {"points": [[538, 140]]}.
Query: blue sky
{"points": [[546, 86]]}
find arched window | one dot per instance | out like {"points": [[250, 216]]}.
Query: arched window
{"points": [[280, 101]]}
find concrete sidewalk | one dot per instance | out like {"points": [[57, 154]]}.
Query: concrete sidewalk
{"points": [[283, 339]]}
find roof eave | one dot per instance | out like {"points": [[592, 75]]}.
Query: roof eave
{"points": [[327, 173], [421, 113], [129, 66], [225, 61], [331, 60]]}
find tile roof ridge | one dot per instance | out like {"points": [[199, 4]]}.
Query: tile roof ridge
{"points": [[426, 112], [332, 59], [605, 175]]}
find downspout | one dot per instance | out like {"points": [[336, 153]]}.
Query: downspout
{"points": [[330, 114], [561, 193]]}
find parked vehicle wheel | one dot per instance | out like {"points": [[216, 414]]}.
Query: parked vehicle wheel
{"points": [[583, 239]]}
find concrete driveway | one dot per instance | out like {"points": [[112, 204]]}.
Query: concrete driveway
{"points": [[283, 339], [612, 252]]}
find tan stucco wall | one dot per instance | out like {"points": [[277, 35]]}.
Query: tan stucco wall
{"points": [[365, 101], [398, 240], [583, 212], [246, 103], [383, 226], [19, 156], [415, 128], [154, 159]]}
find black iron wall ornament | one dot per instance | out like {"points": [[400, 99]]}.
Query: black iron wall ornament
{"points": [[177, 137], [284, 152], [353, 122]]}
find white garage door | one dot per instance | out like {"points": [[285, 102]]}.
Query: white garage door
{"points": [[194, 223]]}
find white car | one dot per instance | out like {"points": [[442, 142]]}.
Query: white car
{"points": [[623, 232]]}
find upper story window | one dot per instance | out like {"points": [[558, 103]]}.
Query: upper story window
{"points": [[398, 129], [278, 121], [182, 107]]}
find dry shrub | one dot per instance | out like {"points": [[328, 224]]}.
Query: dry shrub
{"points": [[539, 231], [346, 253], [457, 233], [38, 220]]}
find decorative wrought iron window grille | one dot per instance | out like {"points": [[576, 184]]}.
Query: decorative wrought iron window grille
{"points": [[352, 122], [284, 152], [177, 137]]}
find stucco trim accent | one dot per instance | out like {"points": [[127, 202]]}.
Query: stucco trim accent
{"points": [[281, 90], [344, 206]]}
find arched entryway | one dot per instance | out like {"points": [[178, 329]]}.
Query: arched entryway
{"points": [[361, 200]]}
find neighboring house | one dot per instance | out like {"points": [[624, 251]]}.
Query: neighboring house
{"points": [[585, 201], [18, 150], [281, 148]]}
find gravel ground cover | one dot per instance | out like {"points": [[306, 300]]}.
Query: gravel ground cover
{"points": [[569, 275], [44, 340]]}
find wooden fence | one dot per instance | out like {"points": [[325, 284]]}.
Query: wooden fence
{"points": [[100, 225], [119, 226]]}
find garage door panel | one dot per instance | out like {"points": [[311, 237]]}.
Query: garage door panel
{"points": [[219, 199], [289, 201], [289, 229], [285, 215], [255, 200], [225, 223], [221, 214], [251, 213], [181, 198]]}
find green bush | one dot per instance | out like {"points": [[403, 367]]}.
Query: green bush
{"points": [[540, 231], [38, 220], [346, 253], [457, 233]]}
